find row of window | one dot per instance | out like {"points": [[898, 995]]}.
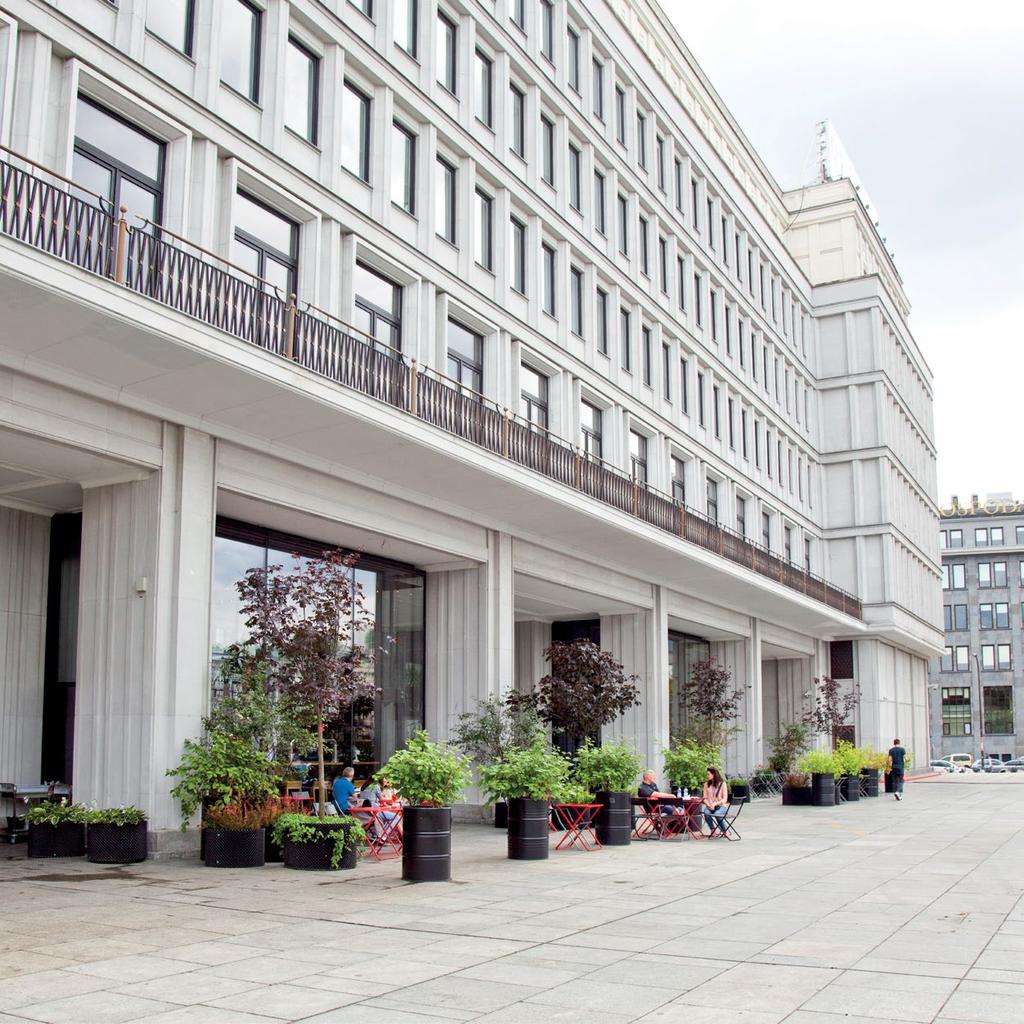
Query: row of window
{"points": [[990, 616], [984, 536], [990, 574], [994, 658], [958, 716]]}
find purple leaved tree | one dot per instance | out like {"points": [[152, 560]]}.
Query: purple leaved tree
{"points": [[304, 623], [832, 707]]}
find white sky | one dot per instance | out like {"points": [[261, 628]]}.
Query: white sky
{"points": [[928, 98]]}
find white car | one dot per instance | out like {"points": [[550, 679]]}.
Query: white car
{"points": [[941, 766]]}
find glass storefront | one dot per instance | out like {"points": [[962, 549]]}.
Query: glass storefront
{"points": [[683, 652], [392, 595]]}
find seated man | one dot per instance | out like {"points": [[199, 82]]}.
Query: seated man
{"points": [[649, 788], [343, 790]]}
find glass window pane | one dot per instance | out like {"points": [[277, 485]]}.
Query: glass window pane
{"points": [[139, 201], [355, 132], [403, 168], [300, 87], [270, 228], [94, 177], [171, 20], [405, 24], [239, 46], [116, 139], [374, 289]]}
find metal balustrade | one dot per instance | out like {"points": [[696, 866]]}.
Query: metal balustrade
{"points": [[60, 218]]}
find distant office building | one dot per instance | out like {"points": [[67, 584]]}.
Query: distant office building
{"points": [[979, 679]]}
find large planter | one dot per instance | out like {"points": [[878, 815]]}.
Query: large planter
{"points": [[427, 844], [64, 840], [740, 794], [614, 819], [823, 790], [796, 796], [501, 814], [227, 848], [316, 856], [528, 829], [851, 787], [117, 844], [272, 853], [890, 786], [869, 777]]}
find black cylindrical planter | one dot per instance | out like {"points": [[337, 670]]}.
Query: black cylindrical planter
{"points": [[117, 844], [64, 840], [823, 790], [740, 794], [427, 844], [890, 786], [615, 819], [316, 856], [501, 814], [272, 853], [528, 829], [796, 796], [227, 848], [870, 777], [851, 787]]}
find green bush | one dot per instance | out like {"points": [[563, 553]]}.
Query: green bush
{"points": [[791, 742], [611, 768], [873, 758], [574, 793], [53, 812], [687, 763], [738, 781], [303, 828], [535, 772], [115, 816], [848, 759], [427, 773], [817, 762]]}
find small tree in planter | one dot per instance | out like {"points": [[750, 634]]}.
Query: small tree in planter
{"points": [[821, 767], [56, 829], [116, 835], [849, 761], [235, 837], [431, 777], [831, 708], [794, 738], [585, 690], [527, 778], [687, 763], [302, 627], [610, 773]]}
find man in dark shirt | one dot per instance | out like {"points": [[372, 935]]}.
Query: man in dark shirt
{"points": [[897, 766]]}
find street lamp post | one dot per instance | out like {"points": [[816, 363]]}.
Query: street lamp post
{"points": [[981, 712]]}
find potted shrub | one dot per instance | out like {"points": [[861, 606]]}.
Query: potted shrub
{"points": [[875, 763], [116, 835], [572, 792], [235, 837], [796, 790], [431, 777], [527, 779], [499, 724], [312, 844], [687, 763], [739, 790], [610, 773], [849, 761], [793, 739], [56, 829], [819, 764]]}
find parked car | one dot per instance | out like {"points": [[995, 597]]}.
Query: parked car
{"points": [[992, 765], [941, 766], [1016, 764], [962, 762]]}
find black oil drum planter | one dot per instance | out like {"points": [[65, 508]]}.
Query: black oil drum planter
{"points": [[851, 787], [615, 818], [870, 780], [528, 829], [739, 792], [427, 844], [823, 790], [316, 854], [117, 844], [796, 796], [501, 814], [65, 839], [235, 848]]}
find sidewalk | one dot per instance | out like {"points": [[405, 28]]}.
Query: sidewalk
{"points": [[872, 911]]}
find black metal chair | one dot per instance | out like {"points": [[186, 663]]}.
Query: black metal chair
{"points": [[727, 828]]}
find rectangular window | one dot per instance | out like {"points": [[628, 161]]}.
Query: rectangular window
{"points": [[998, 574], [241, 29], [576, 301], [984, 574], [403, 167], [711, 222], [484, 253], [447, 52], [956, 709], [518, 14], [465, 363], [406, 25], [725, 248], [678, 166], [659, 144], [768, 452], [378, 308], [446, 196], [600, 222], [730, 421], [980, 536], [533, 396], [947, 618], [698, 300], [572, 70], [999, 710], [648, 354], [700, 398], [484, 88], [518, 255], [547, 29], [743, 434], [712, 500], [696, 205], [988, 657], [679, 480], [518, 120], [1002, 615], [1020, 536], [172, 21], [644, 246], [575, 177], [548, 267], [598, 88], [602, 321], [985, 617], [663, 264], [681, 281], [960, 617], [620, 115], [547, 149], [713, 309], [638, 456], [590, 429], [626, 340], [728, 330], [716, 409], [956, 538], [995, 536], [787, 543], [958, 576], [666, 370], [757, 444], [807, 555], [641, 140], [355, 133], [623, 207], [741, 516], [766, 531]]}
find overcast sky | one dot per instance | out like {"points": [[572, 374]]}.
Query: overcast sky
{"points": [[928, 98]]}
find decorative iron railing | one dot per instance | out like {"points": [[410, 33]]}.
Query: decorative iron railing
{"points": [[52, 213]]}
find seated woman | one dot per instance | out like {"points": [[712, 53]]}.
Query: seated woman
{"points": [[716, 800]]}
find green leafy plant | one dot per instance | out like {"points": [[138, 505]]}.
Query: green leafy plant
{"points": [[848, 759], [874, 758], [234, 818], [739, 781], [53, 812], [817, 762], [305, 828], [687, 763], [224, 770], [498, 724], [535, 772], [612, 767], [427, 773], [574, 793], [115, 816], [796, 780], [793, 739]]}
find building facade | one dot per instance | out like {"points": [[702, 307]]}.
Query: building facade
{"points": [[494, 293], [976, 687]]}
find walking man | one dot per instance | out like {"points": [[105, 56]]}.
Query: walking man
{"points": [[897, 766]]}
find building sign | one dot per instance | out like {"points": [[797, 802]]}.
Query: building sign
{"points": [[991, 507]]}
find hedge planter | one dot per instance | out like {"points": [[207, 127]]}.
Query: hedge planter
{"points": [[316, 855], [851, 787], [231, 848], [117, 844], [66, 839], [796, 796], [528, 829], [614, 819], [740, 794], [823, 790], [501, 814], [869, 776], [427, 844]]}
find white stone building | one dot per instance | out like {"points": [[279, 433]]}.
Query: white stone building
{"points": [[563, 359]]}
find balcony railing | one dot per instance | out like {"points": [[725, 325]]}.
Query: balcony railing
{"points": [[51, 213]]}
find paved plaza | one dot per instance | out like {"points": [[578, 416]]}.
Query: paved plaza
{"points": [[872, 911]]}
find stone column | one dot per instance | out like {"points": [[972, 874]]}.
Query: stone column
{"points": [[531, 640], [24, 564]]}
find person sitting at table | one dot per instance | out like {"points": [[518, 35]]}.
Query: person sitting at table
{"points": [[343, 790], [716, 800], [648, 789]]}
